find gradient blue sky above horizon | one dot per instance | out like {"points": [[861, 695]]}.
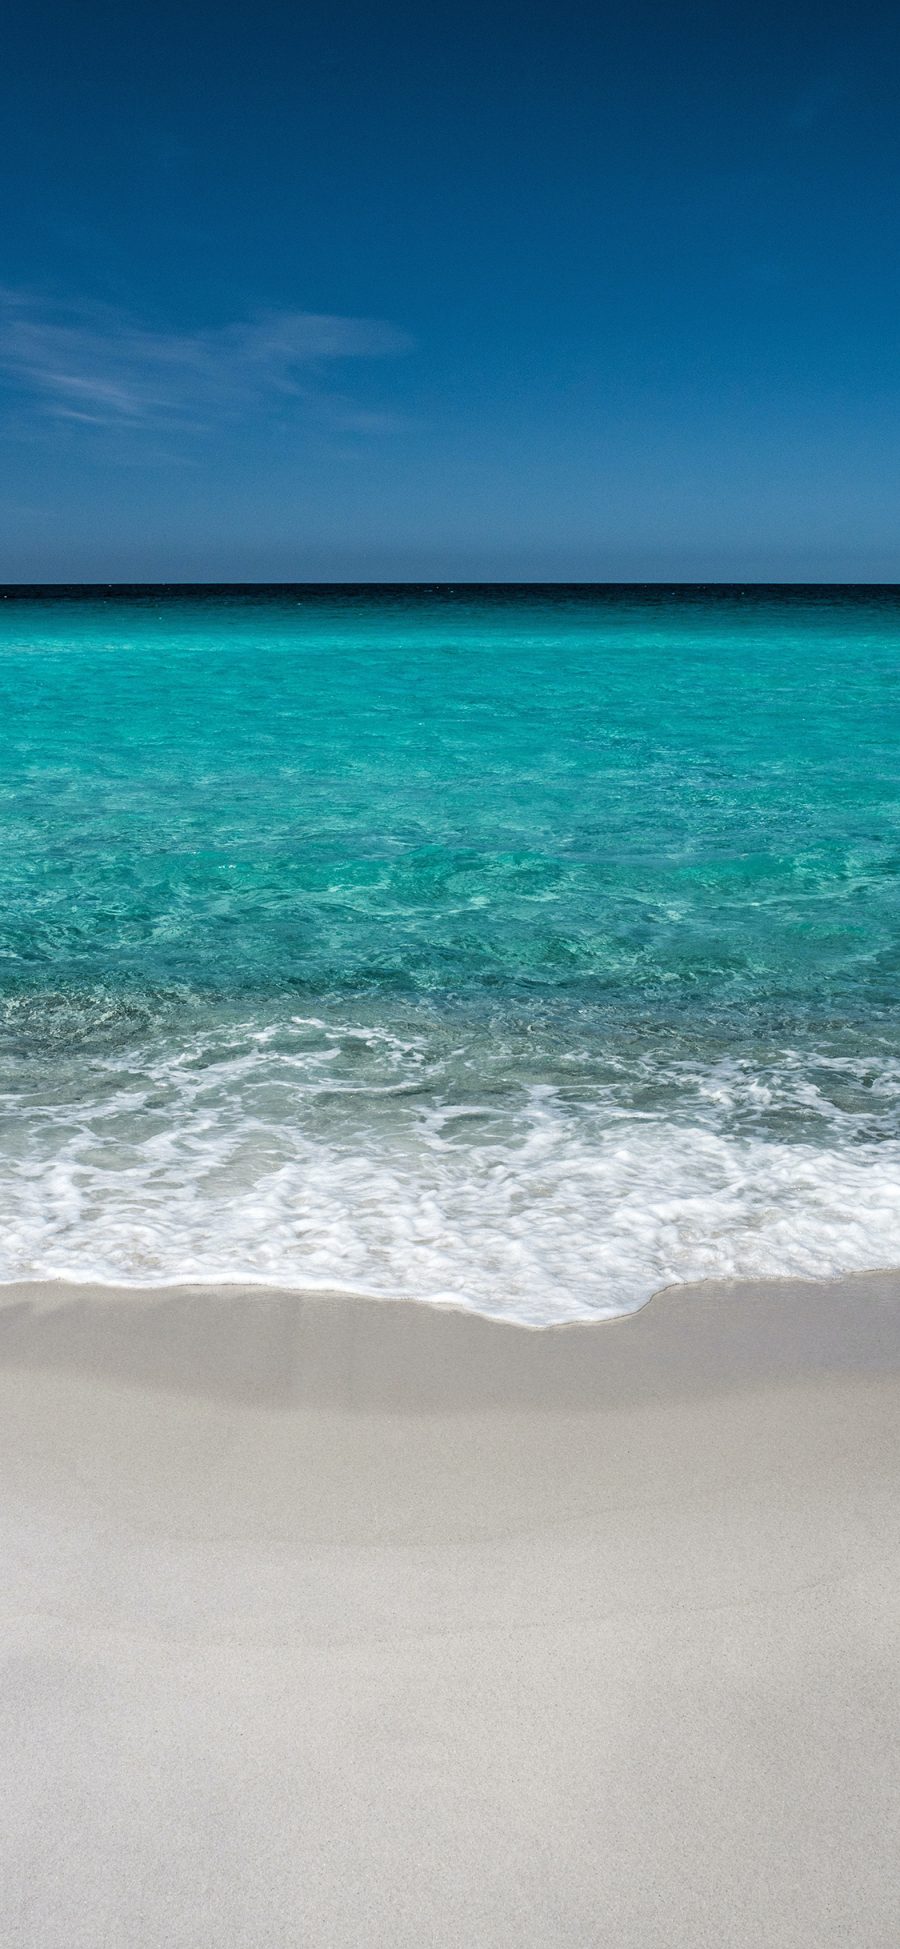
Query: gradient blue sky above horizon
{"points": [[361, 292]]}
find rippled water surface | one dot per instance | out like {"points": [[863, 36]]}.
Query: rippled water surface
{"points": [[535, 948]]}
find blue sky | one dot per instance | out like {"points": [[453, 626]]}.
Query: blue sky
{"points": [[387, 292]]}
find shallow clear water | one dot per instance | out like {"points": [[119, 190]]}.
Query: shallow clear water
{"points": [[536, 948]]}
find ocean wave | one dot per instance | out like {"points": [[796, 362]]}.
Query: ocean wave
{"points": [[321, 1153]]}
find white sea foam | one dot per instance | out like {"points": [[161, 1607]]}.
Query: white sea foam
{"points": [[333, 1155]]}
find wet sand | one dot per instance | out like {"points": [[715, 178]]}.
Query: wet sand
{"points": [[353, 1622]]}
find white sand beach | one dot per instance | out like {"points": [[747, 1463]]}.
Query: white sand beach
{"points": [[366, 1623]]}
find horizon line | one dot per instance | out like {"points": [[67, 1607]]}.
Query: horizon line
{"points": [[449, 585]]}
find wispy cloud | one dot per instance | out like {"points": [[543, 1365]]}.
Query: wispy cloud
{"points": [[95, 366]]}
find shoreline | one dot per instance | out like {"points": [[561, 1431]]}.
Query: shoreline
{"points": [[370, 1623], [702, 1335], [726, 1286]]}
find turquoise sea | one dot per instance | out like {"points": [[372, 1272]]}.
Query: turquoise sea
{"points": [[529, 947]]}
